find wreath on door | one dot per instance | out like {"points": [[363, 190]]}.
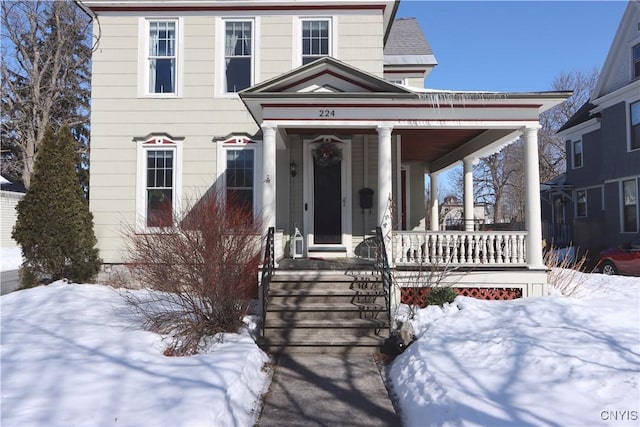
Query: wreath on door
{"points": [[327, 154]]}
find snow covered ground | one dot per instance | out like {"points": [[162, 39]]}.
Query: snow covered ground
{"points": [[554, 360], [10, 258], [74, 355]]}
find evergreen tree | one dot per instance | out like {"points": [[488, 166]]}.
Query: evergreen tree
{"points": [[54, 225]]}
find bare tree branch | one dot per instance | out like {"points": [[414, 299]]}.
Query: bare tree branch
{"points": [[45, 78]]}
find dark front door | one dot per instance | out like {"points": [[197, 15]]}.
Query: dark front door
{"points": [[327, 203]]}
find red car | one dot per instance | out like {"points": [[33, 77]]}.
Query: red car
{"points": [[622, 260]]}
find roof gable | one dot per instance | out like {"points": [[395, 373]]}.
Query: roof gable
{"points": [[617, 69], [326, 75]]}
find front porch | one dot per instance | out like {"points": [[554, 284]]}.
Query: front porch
{"points": [[348, 305], [483, 261]]}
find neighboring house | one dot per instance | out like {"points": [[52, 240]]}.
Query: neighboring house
{"points": [[598, 197], [10, 194], [452, 215], [295, 107]]}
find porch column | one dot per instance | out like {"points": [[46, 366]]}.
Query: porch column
{"points": [[532, 198], [468, 194], [385, 168], [433, 203], [269, 176]]}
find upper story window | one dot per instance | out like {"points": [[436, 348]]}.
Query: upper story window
{"points": [[577, 154], [162, 56], [630, 206], [581, 203], [316, 39], [238, 55], [636, 61], [634, 142]]}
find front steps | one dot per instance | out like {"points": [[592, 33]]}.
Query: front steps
{"points": [[325, 312]]}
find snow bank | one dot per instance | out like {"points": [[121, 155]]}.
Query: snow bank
{"points": [[75, 355], [541, 361]]}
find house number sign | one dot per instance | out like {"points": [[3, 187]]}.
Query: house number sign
{"points": [[326, 113]]}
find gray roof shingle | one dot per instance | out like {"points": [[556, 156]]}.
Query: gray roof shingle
{"points": [[406, 38]]}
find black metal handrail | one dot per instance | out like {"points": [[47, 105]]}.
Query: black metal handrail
{"points": [[268, 266], [382, 265]]}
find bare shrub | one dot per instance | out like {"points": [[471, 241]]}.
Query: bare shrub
{"points": [[203, 269], [565, 271]]}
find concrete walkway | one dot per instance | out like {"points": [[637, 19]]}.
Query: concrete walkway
{"points": [[327, 390]]}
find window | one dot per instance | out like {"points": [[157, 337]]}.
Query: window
{"points": [[158, 181], [239, 176], [159, 188], [635, 125], [581, 203], [630, 206], [315, 40], [162, 57], [238, 171], [577, 154], [238, 55], [397, 81], [636, 61]]}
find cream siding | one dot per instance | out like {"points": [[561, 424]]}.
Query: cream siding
{"points": [[200, 114], [416, 207], [415, 82], [276, 51], [360, 42]]}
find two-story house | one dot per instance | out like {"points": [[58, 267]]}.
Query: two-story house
{"points": [[314, 113], [598, 195]]}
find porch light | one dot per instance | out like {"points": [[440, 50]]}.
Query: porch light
{"points": [[294, 169]]}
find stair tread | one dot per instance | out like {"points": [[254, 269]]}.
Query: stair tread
{"points": [[322, 276], [326, 323], [314, 306], [326, 292], [336, 341]]}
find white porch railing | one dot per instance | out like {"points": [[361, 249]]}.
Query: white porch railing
{"points": [[460, 248]]}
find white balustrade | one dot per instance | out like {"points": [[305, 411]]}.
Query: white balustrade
{"points": [[460, 248]]}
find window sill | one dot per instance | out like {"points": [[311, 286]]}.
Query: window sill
{"points": [[160, 96]]}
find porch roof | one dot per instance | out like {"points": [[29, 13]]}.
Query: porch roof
{"points": [[437, 127]]}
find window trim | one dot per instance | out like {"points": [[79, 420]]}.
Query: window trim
{"points": [[240, 143], [635, 61], [574, 144], [622, 205], [156, 142], [220, 82], [297, 36], [143, 56], [586, 203], [630, 126]]}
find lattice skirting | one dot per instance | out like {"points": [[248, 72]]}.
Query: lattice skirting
{"points": [[418, 295]]}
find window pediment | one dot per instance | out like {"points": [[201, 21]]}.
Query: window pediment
{"points": [[157, 139]]}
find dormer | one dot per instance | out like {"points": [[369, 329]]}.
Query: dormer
{"points": [[408, 58]]}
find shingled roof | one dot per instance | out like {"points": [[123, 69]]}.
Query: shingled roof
{"points": [[582, 115], [406, 38]]}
